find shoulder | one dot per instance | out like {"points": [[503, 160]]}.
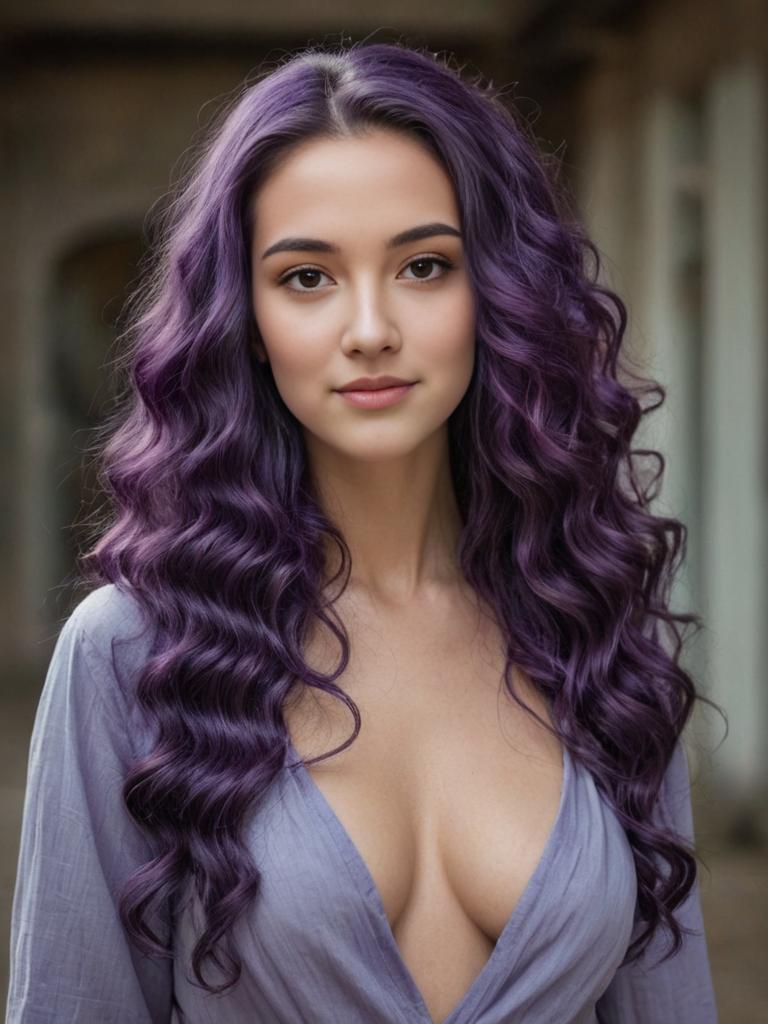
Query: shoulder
{"points": [[87, 709], [110, 627], [108, 612]]}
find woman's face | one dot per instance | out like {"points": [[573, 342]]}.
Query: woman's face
{"points": [[337, 296]]}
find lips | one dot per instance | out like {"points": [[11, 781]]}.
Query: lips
{"points": [[375, 383], [377, 398]]}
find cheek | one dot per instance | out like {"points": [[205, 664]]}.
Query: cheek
{"points": [[459, 363], [292, 348], [451, 341], [461, 336], [449, 321]]}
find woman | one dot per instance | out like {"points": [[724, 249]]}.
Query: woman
{"points": [[375, 459]]}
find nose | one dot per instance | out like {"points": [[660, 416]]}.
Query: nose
{"points": [[370, 326]]}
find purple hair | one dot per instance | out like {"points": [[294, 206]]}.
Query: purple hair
{"points": [[218, 533]]}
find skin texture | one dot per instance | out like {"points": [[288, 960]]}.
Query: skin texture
{"points": [[368, 310]]}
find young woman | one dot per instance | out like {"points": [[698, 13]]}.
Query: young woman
{"points": [[377, 513]]}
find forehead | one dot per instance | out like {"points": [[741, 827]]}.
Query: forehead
{"points": [[383, 179]]}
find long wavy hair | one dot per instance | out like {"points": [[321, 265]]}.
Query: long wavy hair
{"points": [[215, 528]]}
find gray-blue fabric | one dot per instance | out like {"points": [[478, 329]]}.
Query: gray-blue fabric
{"points": [[316, 946]]}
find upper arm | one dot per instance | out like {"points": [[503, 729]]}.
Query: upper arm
{"points": [[678, 991], [71, 959]]}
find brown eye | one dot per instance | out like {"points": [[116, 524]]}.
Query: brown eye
{"points": [[420, 265], [308, 276], [424, 265]]}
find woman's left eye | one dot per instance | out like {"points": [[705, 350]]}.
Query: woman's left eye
{"points": [[420, 262], [434, 260]]}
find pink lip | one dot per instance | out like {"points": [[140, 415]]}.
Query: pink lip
{"points": [[378, 399]]}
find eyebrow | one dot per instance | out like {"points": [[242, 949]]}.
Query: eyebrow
{"points": [[318, 245]]}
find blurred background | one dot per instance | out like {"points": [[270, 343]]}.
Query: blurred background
{"points": [[658, 113]]}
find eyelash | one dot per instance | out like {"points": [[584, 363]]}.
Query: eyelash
{"points": [[446, 264]]}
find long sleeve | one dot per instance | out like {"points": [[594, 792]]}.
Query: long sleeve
{"points": [[71, 960], [678, 991]]}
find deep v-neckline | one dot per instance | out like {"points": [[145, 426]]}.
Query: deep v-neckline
{"points": [[481, 980]]}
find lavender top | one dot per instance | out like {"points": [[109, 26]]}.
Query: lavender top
{"points": [[317, 945]]}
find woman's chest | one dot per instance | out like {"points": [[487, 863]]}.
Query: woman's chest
{"points": [[449, 792]]}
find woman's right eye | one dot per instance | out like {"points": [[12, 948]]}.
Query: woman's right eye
{"points": [[305, 272]]}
